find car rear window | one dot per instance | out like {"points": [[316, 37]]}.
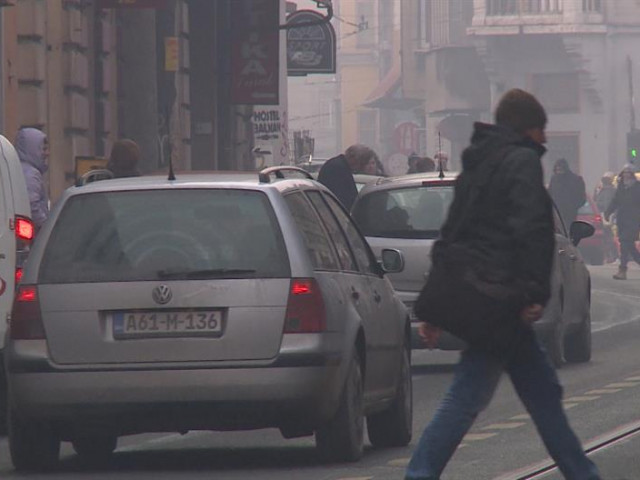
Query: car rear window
{"points": [[585, 209], [163, 235], [416, 212]]}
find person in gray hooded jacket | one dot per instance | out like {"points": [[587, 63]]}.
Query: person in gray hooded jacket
{"points": [[33, 149]]}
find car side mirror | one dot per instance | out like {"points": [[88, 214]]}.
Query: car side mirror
{"points": [[392, 260], [579, 230]]}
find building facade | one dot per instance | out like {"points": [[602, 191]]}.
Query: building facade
{"points": [[581, 58], [88, 72]]}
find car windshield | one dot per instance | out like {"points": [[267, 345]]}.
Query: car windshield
{"points": [[416, 212], [160, 234]]}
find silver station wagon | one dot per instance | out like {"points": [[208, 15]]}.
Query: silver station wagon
{"points": [[210, 302], [407, 212]]}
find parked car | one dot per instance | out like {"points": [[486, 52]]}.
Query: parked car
{"points": [[214, 301], [16, 234], [406, 213], [603, 245]]}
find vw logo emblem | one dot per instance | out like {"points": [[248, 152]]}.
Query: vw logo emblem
{"points": [[162, 294]]}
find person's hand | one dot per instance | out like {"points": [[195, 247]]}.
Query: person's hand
{"points": [[429, 334], [531, 313]]}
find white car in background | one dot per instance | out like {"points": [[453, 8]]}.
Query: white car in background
{"points": [[16, 233]]}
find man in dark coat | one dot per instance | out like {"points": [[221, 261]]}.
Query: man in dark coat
{"points": [[567, 190], [510, 235], [626, 205], [337, 173], [124, 159]]}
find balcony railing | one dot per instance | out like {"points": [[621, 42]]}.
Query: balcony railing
{"points": [[528, 7]]}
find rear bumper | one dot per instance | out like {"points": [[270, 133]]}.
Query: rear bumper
{"points": [[288, 392]]}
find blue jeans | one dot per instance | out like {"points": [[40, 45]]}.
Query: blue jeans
{"points": [[474, 384]]}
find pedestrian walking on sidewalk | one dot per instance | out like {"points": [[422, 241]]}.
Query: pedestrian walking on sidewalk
{"points": [[626, 206], [512, 238]]}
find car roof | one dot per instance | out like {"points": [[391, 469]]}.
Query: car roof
{"points": [[242, 180], [409, 180]]}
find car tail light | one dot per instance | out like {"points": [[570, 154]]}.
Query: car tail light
{"points": [[18, 275], [305, 307], [26, 319], [24, 229], [598, 218]]}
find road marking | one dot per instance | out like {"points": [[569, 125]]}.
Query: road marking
{"points": [[632, 379], [603, 391], [355, 478], [504, 426], [523, 416], [583, 398], [474, 437], [622, 385], [567, 406], [399, 462]]}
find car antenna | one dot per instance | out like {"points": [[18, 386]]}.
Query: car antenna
{"points": [[440, 163], [171, 174]]}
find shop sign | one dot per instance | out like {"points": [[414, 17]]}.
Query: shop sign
{"points": [[255, 52], [310, 48]]}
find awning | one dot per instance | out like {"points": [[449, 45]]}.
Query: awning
{"points": [[388, 93]]}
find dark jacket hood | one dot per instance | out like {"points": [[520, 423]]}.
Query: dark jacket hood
{"points": [[487, 139]]}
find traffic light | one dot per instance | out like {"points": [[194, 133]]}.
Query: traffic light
{"points": [[633, 146]]}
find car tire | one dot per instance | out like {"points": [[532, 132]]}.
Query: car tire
{"points": [[95, 449], [341, 438], [393, 427], [34, 445], [3, 399], [578, 343]]}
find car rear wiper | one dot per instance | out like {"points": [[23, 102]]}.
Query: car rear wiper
{"points": [[201, 274]]}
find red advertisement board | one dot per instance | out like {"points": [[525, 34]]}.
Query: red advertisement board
{"points": [[255, 52]]}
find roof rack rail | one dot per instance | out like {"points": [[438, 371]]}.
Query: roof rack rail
{"points": [[93, 176], [264, 176]]}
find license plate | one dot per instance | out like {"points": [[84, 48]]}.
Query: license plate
{"points": [[206, 323]]}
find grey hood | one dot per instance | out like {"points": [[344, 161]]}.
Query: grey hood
{"points": [[29, 145]]}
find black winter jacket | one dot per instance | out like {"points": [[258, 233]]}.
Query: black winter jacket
{"points": [[510, 231], [336, 175]]}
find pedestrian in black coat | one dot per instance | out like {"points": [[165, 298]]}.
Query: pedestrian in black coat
{"points": [[337, 173], [626, 205], [567, 190]]}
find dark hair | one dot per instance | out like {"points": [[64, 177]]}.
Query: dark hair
{"points": [[124, 158], [520, 111]]}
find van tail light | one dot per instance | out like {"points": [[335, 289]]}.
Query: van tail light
{"points": [[25, 230], [305, 308], [26, 318]]}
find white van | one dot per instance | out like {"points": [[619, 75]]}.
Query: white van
{"points": [[16, 233]]}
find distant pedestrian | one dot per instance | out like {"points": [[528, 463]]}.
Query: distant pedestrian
{"points": [[442, 160], [337, 173], [124, 159], [604, 193], [32, 146], [422, 164], [508, 240], [567, 190], [626, 206]]}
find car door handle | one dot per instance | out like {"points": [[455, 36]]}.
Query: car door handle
{"points": [[355, 294], [573, 257], [377, 297], [562, 251]]}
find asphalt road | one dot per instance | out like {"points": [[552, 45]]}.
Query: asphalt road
{"points": [[600, 397]]}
